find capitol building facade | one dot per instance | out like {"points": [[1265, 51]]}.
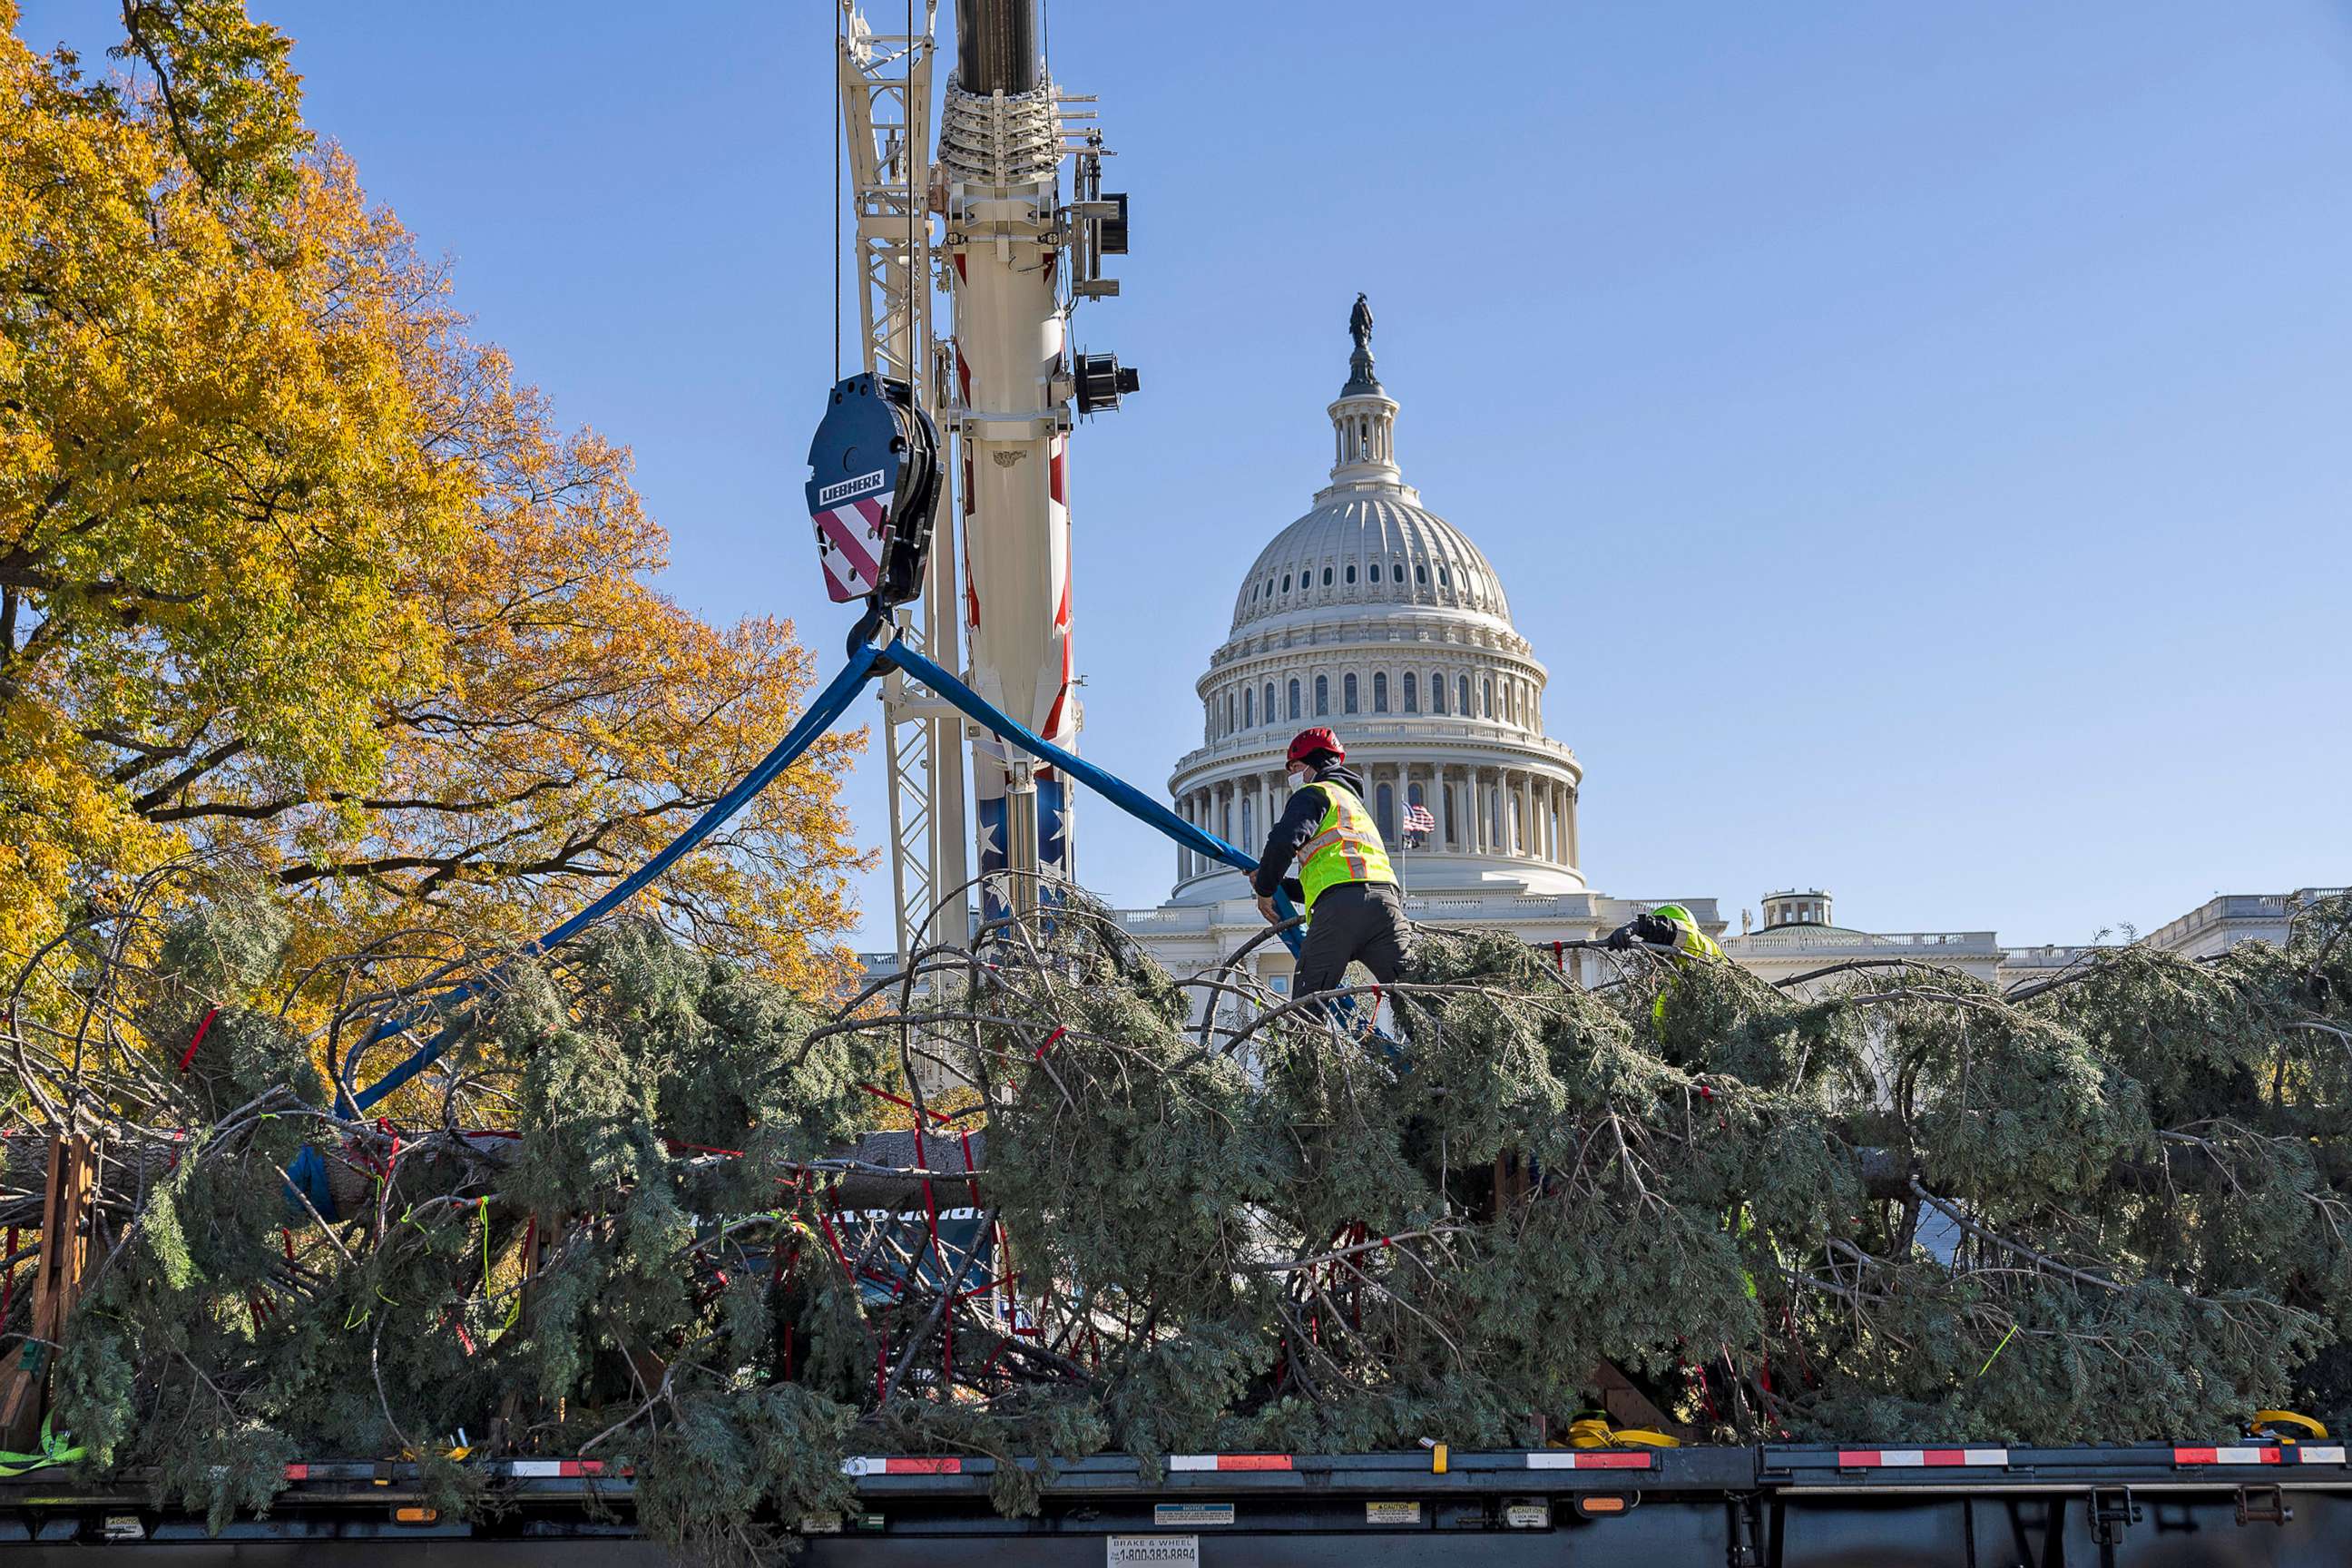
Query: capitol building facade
{"points": [[1375, 616]]}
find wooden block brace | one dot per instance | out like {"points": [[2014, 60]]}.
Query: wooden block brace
{"points": [[57, 1284]]}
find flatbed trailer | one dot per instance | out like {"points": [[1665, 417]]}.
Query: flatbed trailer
{"points": [[1768, 1507]]}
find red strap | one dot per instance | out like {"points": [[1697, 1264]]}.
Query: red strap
{"points": [[202, 1028], [1058, 1030]]}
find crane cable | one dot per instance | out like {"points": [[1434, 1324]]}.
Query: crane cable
{"points": [[839, 133]]}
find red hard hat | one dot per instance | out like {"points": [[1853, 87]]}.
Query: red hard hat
{"points": [[1307, 742]]}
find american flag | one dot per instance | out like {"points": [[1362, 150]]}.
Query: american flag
{"points": [[1417, 825]]}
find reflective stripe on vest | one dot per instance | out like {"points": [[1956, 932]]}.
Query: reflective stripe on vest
{"points": [[1346, 848]]}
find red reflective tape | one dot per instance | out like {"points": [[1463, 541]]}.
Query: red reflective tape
{"points": [[1859, 1458], [2194, 1457], [1591, 1461], [298, 1472], [204, 1027], [1229, 1461], [922, 1466], [576, 1468]]}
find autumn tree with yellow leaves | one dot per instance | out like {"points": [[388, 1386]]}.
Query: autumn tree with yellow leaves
{"points": [[298, 582]]}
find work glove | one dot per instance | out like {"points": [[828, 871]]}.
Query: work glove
{"points": [[1651, 929], [1620, 939]]}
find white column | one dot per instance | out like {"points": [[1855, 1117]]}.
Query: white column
{"points": [[1573, 858]]}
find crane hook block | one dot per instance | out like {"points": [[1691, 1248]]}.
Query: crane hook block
{"points": [[873, 490]]}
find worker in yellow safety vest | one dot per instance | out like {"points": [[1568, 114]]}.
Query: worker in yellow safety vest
{"points": [[1354, 912], [1668, 925]]}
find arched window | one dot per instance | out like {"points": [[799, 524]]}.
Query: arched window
{"points": [[1420, 575], [1446, 813], [1249, 708], [1252, 593], [1351, 571], [1322, 696], [1376, 571], [1286, 582], [1327, 576], [1385, 807], [1444, 578], [1437, 694], [1293, 698], [1269, 587], [1348, 693], [1380, 691], [1461, 692], [1487, 693], [1229, 712], [1412, 693], [1269, 702], [1249, 830]]}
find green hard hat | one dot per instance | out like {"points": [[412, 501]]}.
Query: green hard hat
{"points": [[1673, 912]]}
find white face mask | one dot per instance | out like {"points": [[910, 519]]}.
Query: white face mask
{"points": [[1298, 777]]}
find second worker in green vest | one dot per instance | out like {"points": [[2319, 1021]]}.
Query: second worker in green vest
{"points": [[1354, 914]]}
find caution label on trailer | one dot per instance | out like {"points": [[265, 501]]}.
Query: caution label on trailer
{"points": [[1194, 1514], [1156, 1551], [1392, 1513]]}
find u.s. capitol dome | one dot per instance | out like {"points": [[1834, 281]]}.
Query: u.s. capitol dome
{"points": [[1374, 616]]}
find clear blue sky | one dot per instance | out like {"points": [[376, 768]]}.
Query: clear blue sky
{"points": [[1918, 438]]}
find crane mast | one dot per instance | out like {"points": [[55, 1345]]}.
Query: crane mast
{"points": [[885, 105], [1018, 258]]}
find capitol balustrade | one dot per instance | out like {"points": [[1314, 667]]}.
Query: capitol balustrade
{"points": [[2239, 908], [1362, 733], [1758, 943]]}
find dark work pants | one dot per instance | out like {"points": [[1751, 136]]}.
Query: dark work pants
{"points": [[1361, 922]]}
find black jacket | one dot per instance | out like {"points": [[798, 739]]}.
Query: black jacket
{"points": [[1300, 819]]}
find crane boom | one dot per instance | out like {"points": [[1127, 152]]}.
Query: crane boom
{"points": [[1011, 243], [1018, 260]]}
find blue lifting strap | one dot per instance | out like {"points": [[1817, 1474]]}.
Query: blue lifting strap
{"points": [[1111, 787], [309, 1169], [822, 715]]}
